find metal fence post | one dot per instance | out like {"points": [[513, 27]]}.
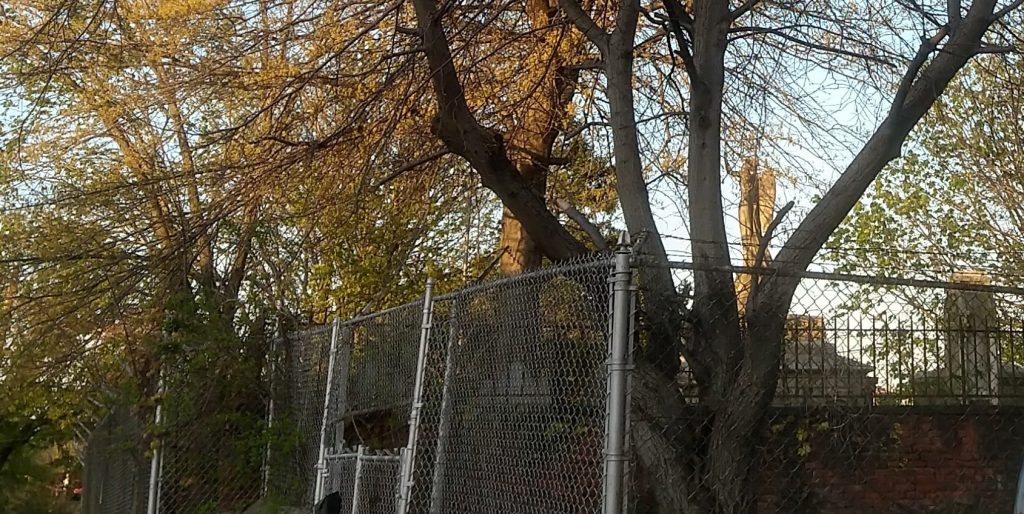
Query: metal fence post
{"points": [[409, 452], [618, 378], [156, 464], [321, 461], [444, 423], [271, 370], [355, 481]]}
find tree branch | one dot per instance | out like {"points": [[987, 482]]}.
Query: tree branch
{"points": [[762, 247], [927, 47], [744, 8], [996, 49], [911, 102], [803, 42], [574, 11], [678, 20], [584, 223], [482, 147], [26, 432], [1008, 9], [412, 165]]}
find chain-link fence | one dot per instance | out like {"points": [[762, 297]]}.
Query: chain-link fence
{"points": [[514, 398], [116, 478], [494, 398], [297, 413], [878, 390], [204, 433], [870, 395], [212, 429], [550, 392]]}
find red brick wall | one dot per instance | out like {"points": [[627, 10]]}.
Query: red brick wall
{"points": [[894, 459]]}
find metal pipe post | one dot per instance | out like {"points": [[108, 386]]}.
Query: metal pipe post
{"points": [[271, 370], [355, 480], [321, 461], [444, 423], [409, 452], [156, 465], [618, 378]]}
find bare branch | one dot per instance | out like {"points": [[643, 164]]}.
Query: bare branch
{"points": [[744, 8], [997, 49], [679, 20], [574, 11], [927, 47], [1009, 8], [412, 165], [745, 31], [490, 266], [912, 101], [584, 223], [762, 247], [953, 14]]}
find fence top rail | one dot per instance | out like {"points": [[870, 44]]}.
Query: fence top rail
{"points": [[599, 261], [311, 330], [363, 457], [381, 458], [362, 318], [578, 265], [840, 277], [340, 456]]}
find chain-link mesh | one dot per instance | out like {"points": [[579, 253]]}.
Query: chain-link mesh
{"points": [[861, 395], [372, 405], [212, 433], [889, 396], [210, 464], [298, 415], [116, 474], [341, 476], [378, 484], [513, 405]]}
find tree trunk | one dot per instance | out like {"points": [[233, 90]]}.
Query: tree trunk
{"points": [[482, 147], [660, 302], [545, 115], [757, 205]]}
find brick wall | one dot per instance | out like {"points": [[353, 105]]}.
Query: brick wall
{"points": [[892, 459]]}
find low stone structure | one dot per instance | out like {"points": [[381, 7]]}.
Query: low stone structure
{"points": [[962, 460], [972, 370]]}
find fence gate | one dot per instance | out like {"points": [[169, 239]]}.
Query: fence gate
{"points": [[366, 481], [363, 353], [497, 397]]}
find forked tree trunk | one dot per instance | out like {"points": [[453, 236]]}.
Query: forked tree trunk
{"points": [[545, 115], [695, 469]]}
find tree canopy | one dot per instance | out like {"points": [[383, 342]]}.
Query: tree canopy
{"points": [[179, 177]]}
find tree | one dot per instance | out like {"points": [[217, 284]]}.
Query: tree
{"points": [[281, 110], [953, 202], [164, 204], [735, 361]]}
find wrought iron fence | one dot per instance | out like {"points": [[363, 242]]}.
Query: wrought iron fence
{"points": [[890, 395]]}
